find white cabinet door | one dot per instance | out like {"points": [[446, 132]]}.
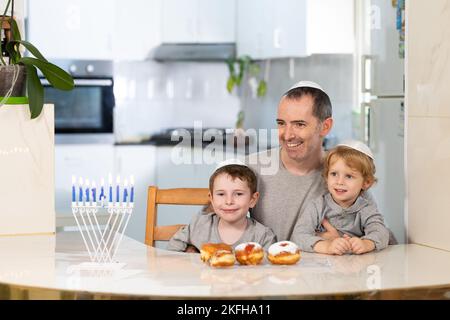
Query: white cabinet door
{"points": [[271, 29], [330, 26], [80, 29], [294, 28], [88, 161], [216, 21], [179, 23], [136, 29], [198, 21], [138, 161]]}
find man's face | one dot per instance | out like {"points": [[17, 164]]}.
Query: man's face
{"points": [[300, 133]]}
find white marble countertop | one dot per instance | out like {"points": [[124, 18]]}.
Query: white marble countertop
{"points": [[48, 263]]}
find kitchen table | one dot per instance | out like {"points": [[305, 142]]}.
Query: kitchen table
{"points": [[48, 267]]}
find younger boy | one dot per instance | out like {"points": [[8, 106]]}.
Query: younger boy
{"points": [[349, 171], [232, 191]]}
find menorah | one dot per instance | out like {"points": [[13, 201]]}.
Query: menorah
{"points": [[102, 244]]}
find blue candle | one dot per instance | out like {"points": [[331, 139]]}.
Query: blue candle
{"points": [[118, 189], [125, 191], [74, 198], [132, 189], [110, 188], [94, 192], [80, 189], [87, 190], [102, 191]]}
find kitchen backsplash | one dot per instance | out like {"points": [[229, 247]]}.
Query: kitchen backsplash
{"points": [[334, 73], [152, 96]]}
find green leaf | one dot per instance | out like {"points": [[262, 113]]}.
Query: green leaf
{"points": [[230, 63], [33, 50], [56, 76], [35, 92], [254, 69], [262, 88], [12, 48], [240, 119], [15, 30], [230, 84]]}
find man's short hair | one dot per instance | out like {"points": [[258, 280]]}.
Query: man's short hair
{"points": [[322, 109], [243, 173]]}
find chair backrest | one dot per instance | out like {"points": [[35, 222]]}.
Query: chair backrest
{"points": [[179, 196]]}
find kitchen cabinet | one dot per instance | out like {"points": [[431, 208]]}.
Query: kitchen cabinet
{"points": [[101, 29], [93, 161], [198, 21], [138, 161], [294, 28], [80, 29]]}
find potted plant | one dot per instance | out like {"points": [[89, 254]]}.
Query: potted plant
{"points": [[239, 69], [18, 72]]}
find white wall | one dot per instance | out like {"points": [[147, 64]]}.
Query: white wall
{"points": [[428, 122]]}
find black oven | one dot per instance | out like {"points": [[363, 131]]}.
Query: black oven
{"points": [[88, 108]]}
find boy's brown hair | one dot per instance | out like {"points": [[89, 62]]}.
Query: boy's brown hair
{"points": [[354, 159], [243, 173]]}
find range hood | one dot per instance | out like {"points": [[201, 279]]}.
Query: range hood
{"points": [[194, 52]]}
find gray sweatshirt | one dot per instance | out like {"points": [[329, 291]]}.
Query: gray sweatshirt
{"points": [[361, 220], [283, 195]]}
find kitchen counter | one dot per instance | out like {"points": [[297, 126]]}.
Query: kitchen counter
{"points": [[37, 267]]}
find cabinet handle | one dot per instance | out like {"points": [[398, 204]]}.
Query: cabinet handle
{"points": [[277, 38], [364, 73]]}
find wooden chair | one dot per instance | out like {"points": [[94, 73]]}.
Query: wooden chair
{"points": [[179, 196]]}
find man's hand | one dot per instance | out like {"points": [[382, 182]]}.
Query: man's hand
{"points": [[358, 245], [331, 232]]}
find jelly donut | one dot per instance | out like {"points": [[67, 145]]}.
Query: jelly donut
{"points": [[208, 249], [249, 253], [284, 252]]}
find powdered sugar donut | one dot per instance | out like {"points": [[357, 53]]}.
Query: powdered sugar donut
{"points": [[284, 252]]}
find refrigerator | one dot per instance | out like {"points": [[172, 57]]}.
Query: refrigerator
{"points": [[382, 112]]}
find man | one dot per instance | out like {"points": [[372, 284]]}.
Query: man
{"points": [[304, 119]]}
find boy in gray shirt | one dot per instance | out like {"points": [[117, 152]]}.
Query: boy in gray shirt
{"points": [[349, 171], [232, 189]]}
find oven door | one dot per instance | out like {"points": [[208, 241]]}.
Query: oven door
{"points": [[88, 108]]}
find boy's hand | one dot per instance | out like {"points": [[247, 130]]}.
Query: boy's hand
{"points": [[358, 245], [191, 249], [339, 246]]}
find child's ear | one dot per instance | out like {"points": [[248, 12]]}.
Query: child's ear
{"points": [[367, 184], [254, 199]]}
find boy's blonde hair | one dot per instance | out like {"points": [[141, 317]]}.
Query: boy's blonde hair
{"points": [[354, 159]]}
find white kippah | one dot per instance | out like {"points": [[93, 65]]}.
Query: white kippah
{"points": [[308, 84], [357, 145], [230, 162]]}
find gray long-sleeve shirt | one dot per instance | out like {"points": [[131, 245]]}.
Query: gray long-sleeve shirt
{"points": [[362, 220], [203, 228], [283, 195]]}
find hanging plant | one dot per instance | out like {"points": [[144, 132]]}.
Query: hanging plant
{"points": [[241, 68]]}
